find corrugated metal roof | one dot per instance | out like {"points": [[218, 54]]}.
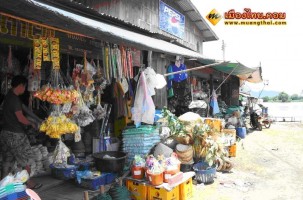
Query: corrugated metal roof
{"points": [[65, 20], [186, 5], [79, 8], [82, 10]]}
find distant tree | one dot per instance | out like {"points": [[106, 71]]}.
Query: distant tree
{"points": [[276, 98], [283, 97], [294, 97], [266, 99]]}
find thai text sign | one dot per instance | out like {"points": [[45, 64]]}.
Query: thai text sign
{"points": [[171, 21], [21, 32]]}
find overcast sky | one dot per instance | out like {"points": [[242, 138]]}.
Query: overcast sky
{"points": [[278, 48]]}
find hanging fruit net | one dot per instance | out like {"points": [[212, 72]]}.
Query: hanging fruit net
{"points": [[56, 92], [85, 116], [57, 125]]}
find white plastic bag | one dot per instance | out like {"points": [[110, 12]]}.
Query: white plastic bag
{"points": [[22, 176], [77, 137], [7, 180], [144, 107], [61, 154]]}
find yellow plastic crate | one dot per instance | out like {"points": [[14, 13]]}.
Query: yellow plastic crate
{"points": [[163, 194], [232, 150], [138, 190], [186, 189]]}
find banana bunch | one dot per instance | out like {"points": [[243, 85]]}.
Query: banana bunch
{"points": [[224, 164], [55, 126], [200, 151]]}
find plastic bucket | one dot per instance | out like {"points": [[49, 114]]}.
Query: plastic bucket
{"points": [[137, 172], [114, 164], [204, 173], [155, 179], [241, 132], [168, 173]]}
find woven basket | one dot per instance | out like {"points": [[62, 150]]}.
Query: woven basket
{"points": [[187, 139], [184, 155], [229, 131]]}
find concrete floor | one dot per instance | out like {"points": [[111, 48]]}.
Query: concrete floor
{"points": [[54, 189]]}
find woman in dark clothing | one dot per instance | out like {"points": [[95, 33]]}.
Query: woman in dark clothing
{"points": [[14, 142]]}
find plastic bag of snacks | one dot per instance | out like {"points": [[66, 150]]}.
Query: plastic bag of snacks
{"points": [[61, 154]]}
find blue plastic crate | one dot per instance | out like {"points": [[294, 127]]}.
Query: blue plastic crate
{"points": [[110, 177], [82, 166], [94, 183], [64, 173]]}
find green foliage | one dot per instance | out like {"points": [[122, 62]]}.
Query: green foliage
{"points": [[266, 99], [173, 123], [294, 97], [283, 97], [275, 98]]}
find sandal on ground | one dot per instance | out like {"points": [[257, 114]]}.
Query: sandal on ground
{"points": [[35, 186]]}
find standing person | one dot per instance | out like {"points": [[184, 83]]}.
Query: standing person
{"points": [[234, 120], [13, 140]]}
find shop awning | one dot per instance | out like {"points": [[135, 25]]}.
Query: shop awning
{"points": [[63, 20], [253, 75]]}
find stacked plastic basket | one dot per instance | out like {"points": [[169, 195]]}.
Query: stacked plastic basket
{"points": [[13, 191], [139, 140]]}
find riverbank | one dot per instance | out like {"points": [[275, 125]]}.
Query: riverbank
{"points": [[285, 111], [268, 166]]}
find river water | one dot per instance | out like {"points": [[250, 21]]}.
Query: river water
{"points": [[287, 110]]}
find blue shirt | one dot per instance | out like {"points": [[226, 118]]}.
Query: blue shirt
{"points": [[181, 76]]}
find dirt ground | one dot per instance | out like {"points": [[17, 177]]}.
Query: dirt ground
{"points": [[268, 166]]}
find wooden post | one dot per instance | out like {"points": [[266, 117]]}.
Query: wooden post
{"points": [[102, 190], [86, 195]]}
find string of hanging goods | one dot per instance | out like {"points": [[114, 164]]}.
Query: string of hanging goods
{"points": [[106, 63], [124, 61], [130, 63], [113, 62]]}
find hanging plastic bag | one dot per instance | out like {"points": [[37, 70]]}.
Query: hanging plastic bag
{"points": [[77, 137], [61, 154], [7, 180], [22, 176], [144, 108], [85, 116]]}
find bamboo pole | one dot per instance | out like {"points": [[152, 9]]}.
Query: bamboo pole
{"points": [[195, 68]]}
